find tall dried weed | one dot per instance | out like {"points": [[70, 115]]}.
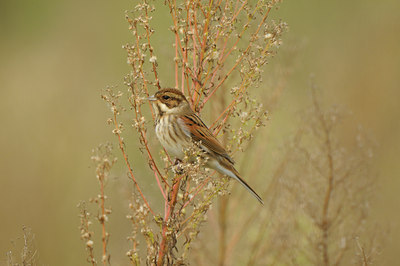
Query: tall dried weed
{"points": [[219, 52]]}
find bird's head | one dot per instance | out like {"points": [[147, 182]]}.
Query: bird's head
{"points": [[169, 101]]}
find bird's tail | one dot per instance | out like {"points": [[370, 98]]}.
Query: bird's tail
{"points": [[227, 168], [241, 181]]}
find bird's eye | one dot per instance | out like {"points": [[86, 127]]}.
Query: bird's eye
{"points": [[166, 97]]}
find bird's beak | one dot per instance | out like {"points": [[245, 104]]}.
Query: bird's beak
{"points": [[152, 98]]}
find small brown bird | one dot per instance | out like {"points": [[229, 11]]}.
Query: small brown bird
{"points": [[178, 127]]}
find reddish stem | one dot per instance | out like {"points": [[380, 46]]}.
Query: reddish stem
{"points": [[151, 49], [176, 61], [121, 146], [237, 61], [141, 68], [173, 194], [145, 142], [102, 218]]}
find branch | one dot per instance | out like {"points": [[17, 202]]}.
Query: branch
{"points": [[121, 146]]}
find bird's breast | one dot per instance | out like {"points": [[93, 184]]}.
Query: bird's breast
{"points": [[172, 135]]}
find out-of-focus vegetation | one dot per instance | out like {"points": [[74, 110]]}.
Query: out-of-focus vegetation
{"points": [[58, 55]]}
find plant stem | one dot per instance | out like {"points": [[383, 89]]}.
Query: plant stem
{"points": [[172, 195]]}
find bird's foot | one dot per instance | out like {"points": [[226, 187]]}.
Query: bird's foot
{"points": [[177, 167]]}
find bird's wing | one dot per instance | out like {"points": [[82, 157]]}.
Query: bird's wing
{"points": [[199, 132]]}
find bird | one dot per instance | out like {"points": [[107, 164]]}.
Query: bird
{"points": [[178, 127]]}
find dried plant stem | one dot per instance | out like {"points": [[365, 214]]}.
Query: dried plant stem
{"points": [[238, 11], [195, 191], [228, 110], [86, 234], [172, 196], [194, 214], [197, 91], [364, 257], [121, 146], [269, 191], [151, 50], [193, 29], [223, 57], [325, 222], [179, 45], [257, 243], [156, 171], [237, 61], [141, 63], [102, 221], [176, 61]]}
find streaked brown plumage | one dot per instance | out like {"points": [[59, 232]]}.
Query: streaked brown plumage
{"points": [[178, 127]]}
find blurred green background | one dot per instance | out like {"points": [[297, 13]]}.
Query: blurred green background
{"points": [[56, 56]]}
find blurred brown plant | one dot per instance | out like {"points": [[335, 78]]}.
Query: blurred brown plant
{"points": [[329, 180], [28, 254], [318, 202]]}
